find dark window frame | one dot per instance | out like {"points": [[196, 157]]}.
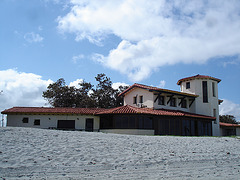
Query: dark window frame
{"points": [[173, 102], [25, 120], [205, 91], [36, 122], [161, 100], [213, 89], [215, 115], [140, 99], [188, 85], [135, 100], [184, 103], [89, 124]]}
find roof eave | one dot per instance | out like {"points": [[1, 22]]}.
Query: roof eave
{"points": [[158, 90]]}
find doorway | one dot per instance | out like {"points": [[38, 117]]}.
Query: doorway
{"points": [[89, 125]]}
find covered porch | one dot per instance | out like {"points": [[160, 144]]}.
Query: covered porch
{"points": [[155, 122]]}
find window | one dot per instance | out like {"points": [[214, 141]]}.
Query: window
{"points": [[213, 89], [25, 120], [205, 91], [215, 115], [161, 100], [135, 100], [140, 99], [37, 122], [184, 103], [173, 102], [187, 85]]}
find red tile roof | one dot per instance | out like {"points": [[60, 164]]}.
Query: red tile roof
{"points": [[228, 124], [161, 112], [136, 85], [49, 110], [197, 77], [98, 111]]}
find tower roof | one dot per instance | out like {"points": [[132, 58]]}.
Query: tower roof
{"points": [[197, 77]]}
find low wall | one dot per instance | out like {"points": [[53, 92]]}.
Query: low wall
{"points": [[129, 131]]}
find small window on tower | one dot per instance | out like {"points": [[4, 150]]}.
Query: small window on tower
{"points": [[213, 89], [215, 115], [140, 99], [205, 91], [187, 85]]}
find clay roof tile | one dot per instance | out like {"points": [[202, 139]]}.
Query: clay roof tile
{"points": [[197, 77], [50, 110]]}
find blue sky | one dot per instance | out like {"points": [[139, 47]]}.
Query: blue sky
{"points": [[150, 42]]}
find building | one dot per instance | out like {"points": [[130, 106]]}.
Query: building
{"points": [[147, 110], [51, 118], [227, 129]]}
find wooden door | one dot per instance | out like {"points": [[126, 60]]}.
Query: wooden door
{"points": [[89, 124]]}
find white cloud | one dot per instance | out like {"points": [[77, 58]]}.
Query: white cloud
{"points": [[33, 37], [75, 59], [21, 89], [162, 84], [76, 83], [230, 108], [156, 33], [117, 84], [234, 62], [97, 57], [40, 28]]}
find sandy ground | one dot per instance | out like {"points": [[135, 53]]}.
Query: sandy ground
{"points": [[27, 153]]}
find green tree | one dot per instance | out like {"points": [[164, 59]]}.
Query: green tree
{"points": [[227, 119], [119, 99], [59, 94], [83, 98], [103, 94]]}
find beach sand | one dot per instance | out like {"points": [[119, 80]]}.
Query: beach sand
{"points": [[29, 153]]}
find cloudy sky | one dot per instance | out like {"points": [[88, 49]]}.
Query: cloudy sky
{"points": [[150, 42]]}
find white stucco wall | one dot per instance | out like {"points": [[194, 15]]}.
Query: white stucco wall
{"points": [[45, 122], [204, 108], [147, 97]]}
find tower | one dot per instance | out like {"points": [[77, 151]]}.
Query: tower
{"points": [[207, 103]]}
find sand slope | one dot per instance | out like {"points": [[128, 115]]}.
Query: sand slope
{"points": [[28, 153]]}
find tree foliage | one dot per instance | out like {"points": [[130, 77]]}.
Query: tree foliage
{"points": [[227, 119], [59, 94]]}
